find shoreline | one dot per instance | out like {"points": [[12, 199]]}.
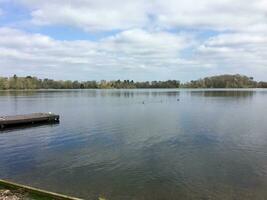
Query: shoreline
{"points": [[21, 190], [51, 89]]}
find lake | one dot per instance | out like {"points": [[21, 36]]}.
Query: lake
{"points": [[140, 144]]}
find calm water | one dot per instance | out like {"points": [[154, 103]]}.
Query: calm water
{"points": [[140, 144]]}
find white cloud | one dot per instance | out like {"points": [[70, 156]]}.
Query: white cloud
{"points": [[241, 46], [142, 43], [131, 51], [146, 40], [236, 52], [209, 14], [91, 15]]}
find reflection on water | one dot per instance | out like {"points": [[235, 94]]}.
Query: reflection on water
{"points": [[208, 145], [224, 93], [18, 127]]}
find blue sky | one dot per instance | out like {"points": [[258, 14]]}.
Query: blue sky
{"points": [[139, 40]]}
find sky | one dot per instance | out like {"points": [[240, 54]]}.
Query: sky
{"points": [[133, 39]]}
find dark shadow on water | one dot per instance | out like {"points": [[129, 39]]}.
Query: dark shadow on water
{"points": [[125, 93], [27, 126], [223, 93]]}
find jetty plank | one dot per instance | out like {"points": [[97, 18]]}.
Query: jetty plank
{"points": [[28, 118]]}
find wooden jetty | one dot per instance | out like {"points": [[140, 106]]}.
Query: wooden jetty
{"points": [[7, 121], [31, 190]]}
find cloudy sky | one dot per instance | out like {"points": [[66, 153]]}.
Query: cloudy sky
{"points": [[133, 39]]}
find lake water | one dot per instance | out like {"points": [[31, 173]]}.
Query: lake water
{"points": [[140, 144]]}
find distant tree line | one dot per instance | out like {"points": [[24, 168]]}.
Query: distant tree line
{"points": [[222, 81], [226, 81], [29, 82]]}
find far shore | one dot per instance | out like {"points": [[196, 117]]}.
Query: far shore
{"points": [[211, 89]]}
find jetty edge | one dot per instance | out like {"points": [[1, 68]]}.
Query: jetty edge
{"points": [[27, 119], [36, 191]]}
